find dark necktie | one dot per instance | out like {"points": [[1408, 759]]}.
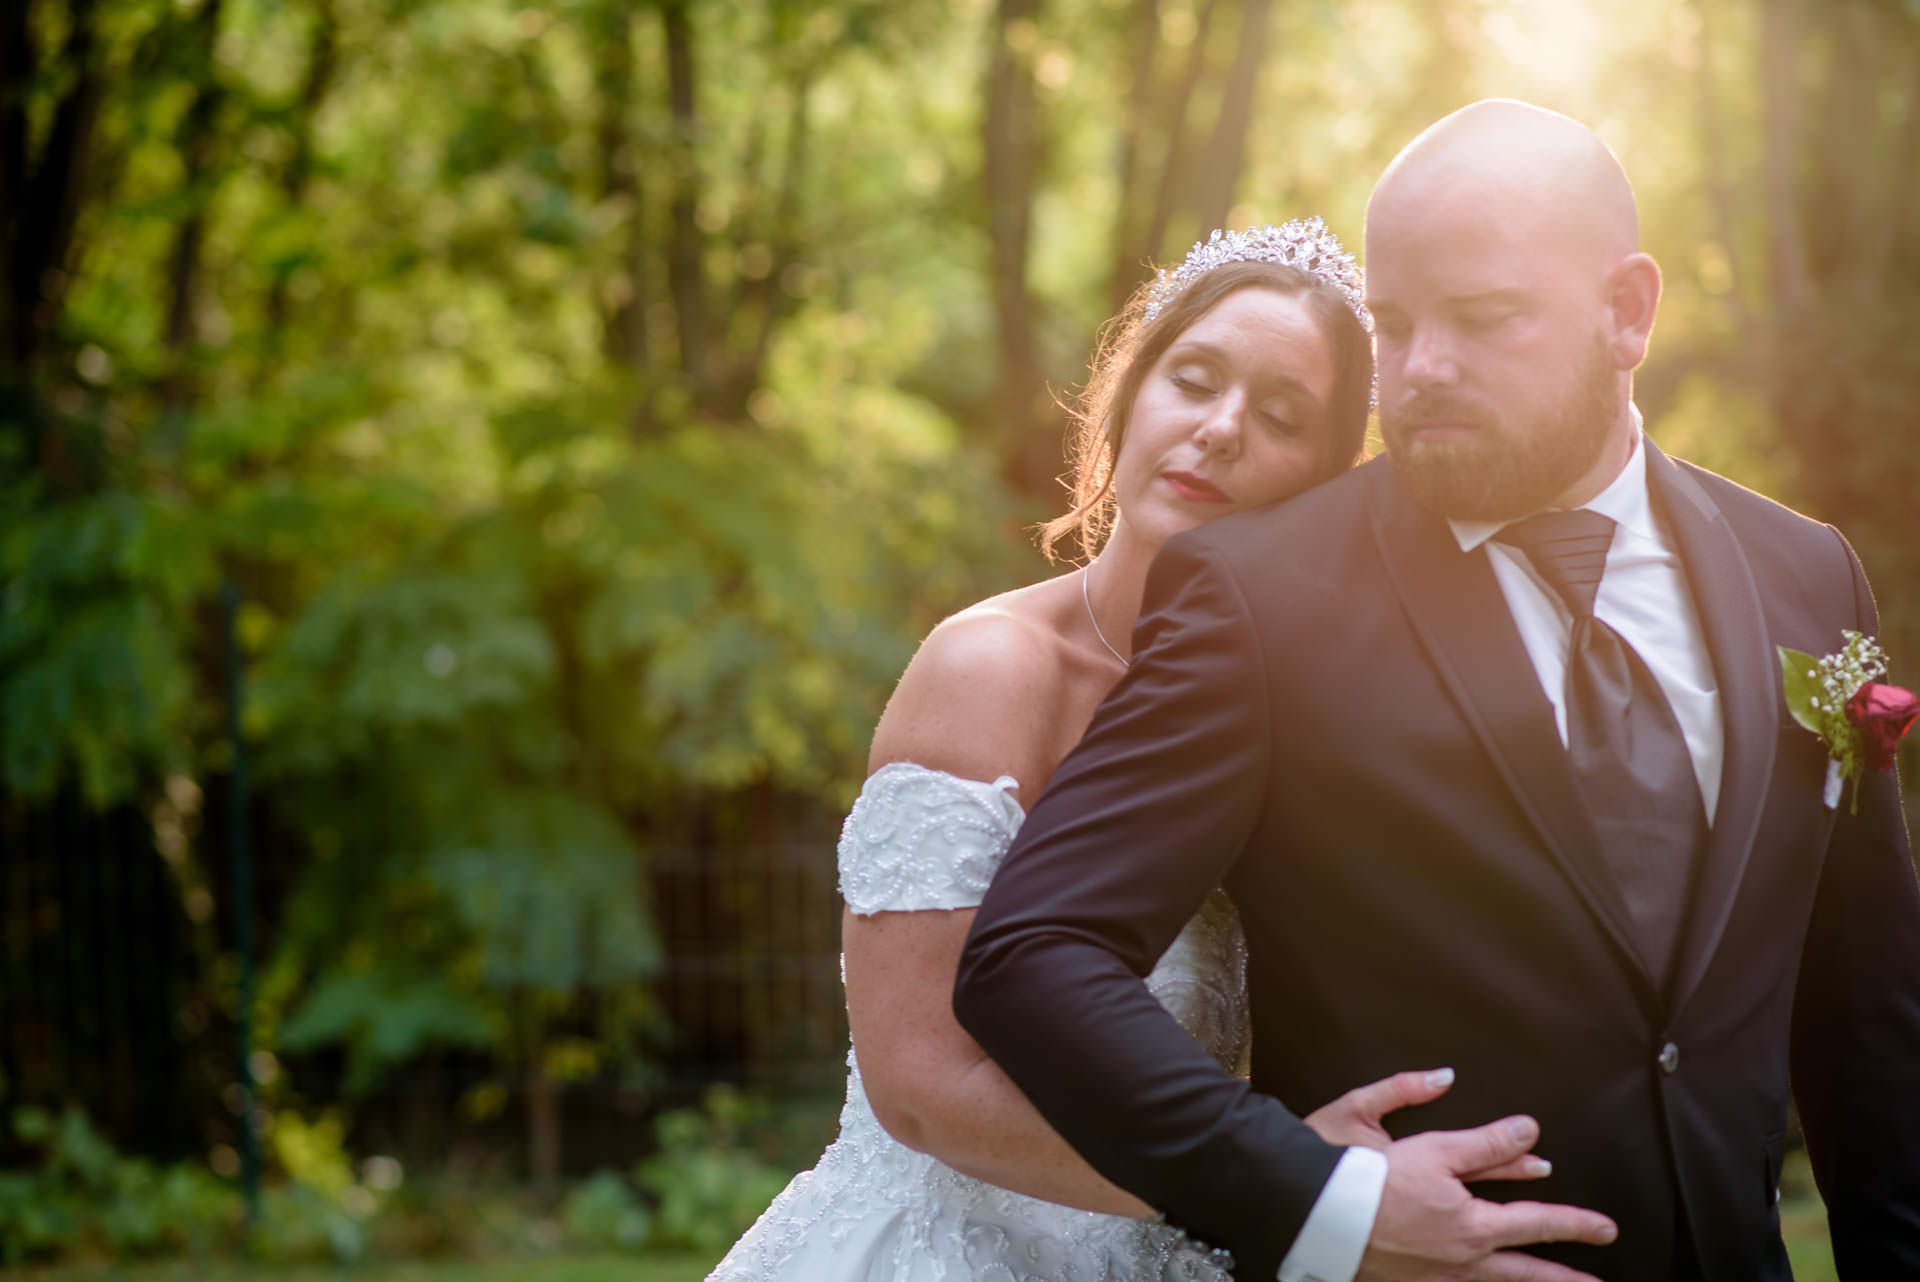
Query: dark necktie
{"points": [[1627, 749]]}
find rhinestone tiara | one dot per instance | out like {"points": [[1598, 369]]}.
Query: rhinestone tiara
{"points": [[1303, 243]]}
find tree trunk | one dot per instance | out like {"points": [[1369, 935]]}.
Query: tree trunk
{"points": [[1843, 134], [178, 388], [686, 269], [1012, 161], [1886, 208], [1713, 170], [783, 236], [543, 1135], [43, 192], [20, 286], [1780, 76], [1176, 161], [16, 75], [1226, 153], [322, 59], [1130, 251], [623, 321]]}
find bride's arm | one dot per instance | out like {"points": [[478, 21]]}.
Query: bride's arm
{"points": [[932, 1086], [979, 700]]}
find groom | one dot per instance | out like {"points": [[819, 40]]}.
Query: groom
{"points": [[1481, 804]]}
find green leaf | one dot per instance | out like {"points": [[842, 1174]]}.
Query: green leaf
{"points": [[1800, 682], [550, 885], [384, 1016]]}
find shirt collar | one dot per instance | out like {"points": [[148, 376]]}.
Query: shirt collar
{"points": [[1624, 500]]}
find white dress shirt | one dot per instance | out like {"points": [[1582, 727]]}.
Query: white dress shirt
{"points": [[1644, 597], [1335, 1235]]}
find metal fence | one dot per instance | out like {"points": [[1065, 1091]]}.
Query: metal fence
{"points": [[95, 967], [111, 998], [752, 980]]}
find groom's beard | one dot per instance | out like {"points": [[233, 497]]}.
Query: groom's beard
{"points": [[1499, 473]]}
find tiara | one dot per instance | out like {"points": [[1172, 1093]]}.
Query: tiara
{"points": [[1303, 243]]}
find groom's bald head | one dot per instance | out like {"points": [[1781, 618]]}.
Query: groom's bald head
{"points": [[1511, 305], [1523, 162]]}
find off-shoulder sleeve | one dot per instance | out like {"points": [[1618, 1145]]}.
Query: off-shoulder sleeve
{"points": [[922, 839]]}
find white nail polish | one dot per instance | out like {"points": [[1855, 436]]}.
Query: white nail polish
{"points": [[1439, 1079]]}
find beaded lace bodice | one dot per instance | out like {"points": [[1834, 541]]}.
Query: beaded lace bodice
{"points": [[921, 839]]}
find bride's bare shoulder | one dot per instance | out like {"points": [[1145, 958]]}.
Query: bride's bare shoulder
{"points": [[982, 692]]}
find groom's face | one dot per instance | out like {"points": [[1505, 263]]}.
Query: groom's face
{"points": [[1497, 387]]}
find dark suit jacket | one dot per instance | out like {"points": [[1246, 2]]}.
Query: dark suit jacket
{"points": [[1331, 712]]}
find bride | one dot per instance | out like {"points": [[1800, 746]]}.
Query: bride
{"points": [[1235, 381]]}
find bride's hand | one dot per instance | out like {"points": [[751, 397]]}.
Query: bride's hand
{"points": [[1354, 1119]]}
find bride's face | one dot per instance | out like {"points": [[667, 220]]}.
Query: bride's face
{"points": [[1233, 415]]}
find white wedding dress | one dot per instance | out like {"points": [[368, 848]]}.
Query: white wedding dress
{"points": [[873, 1210]]}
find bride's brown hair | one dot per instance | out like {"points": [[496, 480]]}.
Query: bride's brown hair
{"points": [[1129, 344]]}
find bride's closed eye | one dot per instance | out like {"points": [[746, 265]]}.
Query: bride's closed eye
{"points": [[1281, 422]]}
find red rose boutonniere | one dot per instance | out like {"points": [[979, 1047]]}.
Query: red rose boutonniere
{"points": [[1858, 716]]}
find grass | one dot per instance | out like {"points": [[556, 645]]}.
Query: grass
{"points": [[1803, 1222], [1812, 1261], [602, 1267], [1805, 1230]]}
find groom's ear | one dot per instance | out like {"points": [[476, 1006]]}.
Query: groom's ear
{"points": [[1633, 296]]}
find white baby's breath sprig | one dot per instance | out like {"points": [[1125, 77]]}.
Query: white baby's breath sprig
{"points": [[1817, 691]]}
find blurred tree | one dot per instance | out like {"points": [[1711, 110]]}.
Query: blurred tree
{"points": [[1817, 260], [1011, 137], [515, 611], [44, 171], [596, 400], [1199, 178]]}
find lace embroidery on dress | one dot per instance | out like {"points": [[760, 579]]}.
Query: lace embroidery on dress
{"points": [[873, 1210], [920, 838]]}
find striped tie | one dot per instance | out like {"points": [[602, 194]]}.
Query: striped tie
{"points": [[1627, 748]]}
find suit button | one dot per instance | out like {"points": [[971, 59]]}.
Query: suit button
{"points": [[1669, 1058]]}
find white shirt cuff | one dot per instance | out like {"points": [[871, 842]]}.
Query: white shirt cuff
{"points": [[1335, 1235]]}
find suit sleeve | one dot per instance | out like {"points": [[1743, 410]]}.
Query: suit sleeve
{"points": [[1856, 1027], [1137, 825]]}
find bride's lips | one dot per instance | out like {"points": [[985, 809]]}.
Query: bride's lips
{"points": [[1195, 488]]}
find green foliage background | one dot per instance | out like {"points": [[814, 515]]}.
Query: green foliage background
{"points": [[593, 401]]}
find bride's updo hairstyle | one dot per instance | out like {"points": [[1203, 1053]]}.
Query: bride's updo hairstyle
{"points": [[1161, 309]]}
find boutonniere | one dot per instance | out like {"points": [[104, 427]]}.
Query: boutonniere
{"points": [[1858, 716]]}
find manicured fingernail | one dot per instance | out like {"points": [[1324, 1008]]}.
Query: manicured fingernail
{"points": [[1439, 1079], [1539, 1167], [1521, 1128]]}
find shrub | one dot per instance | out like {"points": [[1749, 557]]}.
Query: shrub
{"points": [[83, 1194], [603, 1211], [709, 1180]]}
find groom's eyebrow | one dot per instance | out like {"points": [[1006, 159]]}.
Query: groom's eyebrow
{"points": [[1491, 297], [1386, 309]]}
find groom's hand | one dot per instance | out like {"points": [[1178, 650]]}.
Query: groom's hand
{"points": [[1430, 1228]]}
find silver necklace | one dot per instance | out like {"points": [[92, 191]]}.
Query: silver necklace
{"points": [[1085, 574]]}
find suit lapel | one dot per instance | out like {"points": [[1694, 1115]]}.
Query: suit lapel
{"points": [[1463, 621], [1728, 604]]}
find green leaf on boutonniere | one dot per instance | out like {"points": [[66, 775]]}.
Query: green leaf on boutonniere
{"points": [[1800, 683]]}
